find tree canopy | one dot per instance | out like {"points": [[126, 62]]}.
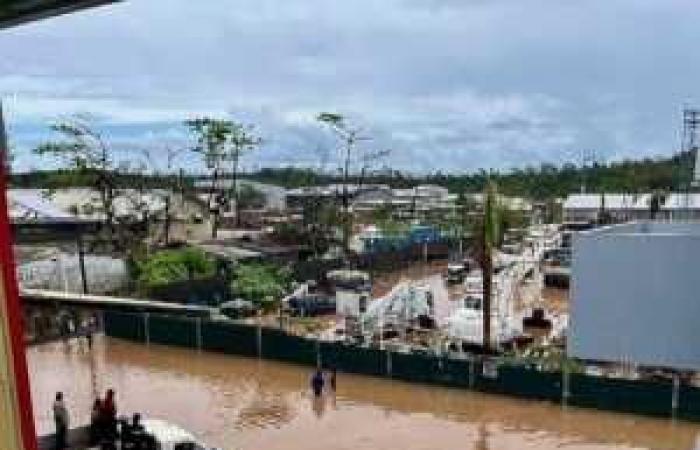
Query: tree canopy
{"points": [[262, 284]]}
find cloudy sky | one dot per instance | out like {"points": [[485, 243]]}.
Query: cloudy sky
{"points": [[452, 85]]}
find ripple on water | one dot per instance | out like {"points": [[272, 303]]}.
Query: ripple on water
{"points": [[246, 403]]}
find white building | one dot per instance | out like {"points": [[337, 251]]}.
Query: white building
{"points": [[634, 294], [627, 207], [85, 203]]}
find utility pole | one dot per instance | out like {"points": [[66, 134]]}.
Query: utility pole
{"points": [[691, 140], [587, 157], [691, 124]]}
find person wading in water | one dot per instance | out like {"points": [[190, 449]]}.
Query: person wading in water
{"points": [[317, 383]]}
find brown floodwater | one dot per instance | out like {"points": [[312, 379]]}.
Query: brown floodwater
{"points": [[245, 403]]}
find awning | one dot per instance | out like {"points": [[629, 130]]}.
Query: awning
{"points": [[15, 12]]}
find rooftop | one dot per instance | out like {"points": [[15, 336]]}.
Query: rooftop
{"points": [[647, 228], [639, 201]]}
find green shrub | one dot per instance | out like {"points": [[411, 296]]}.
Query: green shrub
{"points": [[170, 266], [262, 284]]}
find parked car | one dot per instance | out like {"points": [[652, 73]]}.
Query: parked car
{"points": [[237, 309]]}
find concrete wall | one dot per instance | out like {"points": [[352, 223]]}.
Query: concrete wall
{"points": [[636, 295]]}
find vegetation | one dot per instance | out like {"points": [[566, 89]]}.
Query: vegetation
{"points": [[221, 143], [348, 136], [539, 183], [389, 226], [262, 284], [83, 149], [90, 162], [170, 266], [250, 198]]}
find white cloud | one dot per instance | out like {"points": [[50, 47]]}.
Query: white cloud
{"points": [[451, 85]]}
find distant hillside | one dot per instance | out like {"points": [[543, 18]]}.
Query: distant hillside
{"points": [[541, 182]]}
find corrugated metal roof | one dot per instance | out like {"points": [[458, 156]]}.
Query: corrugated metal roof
{"points": [[62, 203], [32, 204], [673, 201], [612, 201]]}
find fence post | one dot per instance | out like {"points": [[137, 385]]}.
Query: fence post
{"points": [[319, 361], [675, 395], [198, 330], [146, 328], [565, 387], [389, 367], [472, 373], [259, 340]]}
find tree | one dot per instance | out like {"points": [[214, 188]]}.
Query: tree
{"points": [[262, 284], [242, 140], [211, 137], [488, 232], [349, 137], [84, 150], [170, 182], [221, 143], [250, 197]]}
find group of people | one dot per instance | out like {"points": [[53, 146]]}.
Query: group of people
{"points": [[318, 381], [103, 423], [103, 420]]}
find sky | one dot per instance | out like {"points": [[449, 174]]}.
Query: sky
{"points": [[449, 85]]}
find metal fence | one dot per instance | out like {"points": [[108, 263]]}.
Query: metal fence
{"points": [[525, 380], [103, 274]]}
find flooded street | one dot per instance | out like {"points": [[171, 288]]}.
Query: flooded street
{"points": [[242, 403]]}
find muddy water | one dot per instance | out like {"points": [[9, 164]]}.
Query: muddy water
{"points": [[245, 403]]}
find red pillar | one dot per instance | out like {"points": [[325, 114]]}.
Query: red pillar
{"points": [[9, 294]]}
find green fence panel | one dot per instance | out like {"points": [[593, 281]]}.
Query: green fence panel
{"points": [[634, 396], [172, 330], [688, 403], [124, 325], [276, 344], [230, 338], [353, 359], [416, 367], [455, 372], [520, 381]]}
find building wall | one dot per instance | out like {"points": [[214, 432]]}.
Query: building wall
{"points": [[635, 296]]}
